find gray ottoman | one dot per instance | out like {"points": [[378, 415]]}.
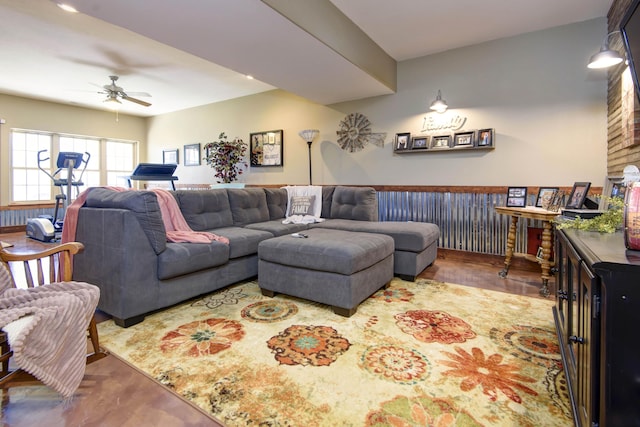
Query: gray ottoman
{"points": [[333, 267]]}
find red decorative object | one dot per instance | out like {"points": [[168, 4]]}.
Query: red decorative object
{"points": [[632, 217]]}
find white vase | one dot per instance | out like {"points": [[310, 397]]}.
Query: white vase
{"points": [[228, 185]]}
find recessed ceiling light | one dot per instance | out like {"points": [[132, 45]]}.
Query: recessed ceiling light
{"points": [[249, 76], [67, 7]]}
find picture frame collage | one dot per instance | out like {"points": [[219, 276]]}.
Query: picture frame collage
{"points": [[470, 139]]}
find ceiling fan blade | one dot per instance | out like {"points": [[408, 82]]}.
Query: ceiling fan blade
{"points": [[137, 101], [138, 94]]}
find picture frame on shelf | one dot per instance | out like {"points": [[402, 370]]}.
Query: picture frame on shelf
{"points": [[403, 141], [485, 138], [420, 142], [545, 196], [441, 141], [170, 157], [578, 195], [266, 148], [463, 139], [613, 187], [192, 154], [517, 197]]}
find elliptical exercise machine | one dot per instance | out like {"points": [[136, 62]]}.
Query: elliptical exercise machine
{"points": [[47, 228]]}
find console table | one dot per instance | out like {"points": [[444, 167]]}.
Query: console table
{"points": [[596, 314], [530, 212]]}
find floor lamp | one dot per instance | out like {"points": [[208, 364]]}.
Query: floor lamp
{"points": [[309, 135]]}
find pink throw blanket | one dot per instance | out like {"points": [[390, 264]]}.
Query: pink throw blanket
{"points": [[176, 226]]}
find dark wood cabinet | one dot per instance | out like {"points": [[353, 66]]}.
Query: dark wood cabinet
{"points": [[597, 315]]}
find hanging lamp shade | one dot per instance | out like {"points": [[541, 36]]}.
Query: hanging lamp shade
{"points": [[439, 104], [606, 57]]}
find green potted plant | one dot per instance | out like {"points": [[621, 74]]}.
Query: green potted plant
{"points": [[226, 158]]}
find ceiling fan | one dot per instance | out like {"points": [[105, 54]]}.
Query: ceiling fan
{"points": [[115, 93]]}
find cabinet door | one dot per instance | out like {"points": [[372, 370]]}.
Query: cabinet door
{"points": [[562, 285], [573, 269], [585, 344]]}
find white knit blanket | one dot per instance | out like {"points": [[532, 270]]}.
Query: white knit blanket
{"points": [[47, 329]]}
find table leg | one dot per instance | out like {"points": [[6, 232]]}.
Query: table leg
{"points": [[546, 254], [511, 243]]}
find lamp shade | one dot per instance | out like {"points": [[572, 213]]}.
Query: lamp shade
{"points": [[606, 57], [439, 104], [309, 134]]}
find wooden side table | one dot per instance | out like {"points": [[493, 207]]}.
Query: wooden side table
{"points": [[530, 212]]}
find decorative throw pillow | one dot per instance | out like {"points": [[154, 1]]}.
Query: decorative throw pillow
{"points": [[302, 205]]}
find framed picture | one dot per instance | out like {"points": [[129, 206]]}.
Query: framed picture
{"points": [[545, 196], [419, 142], [577, 195], [192, 154], [403, 141], [463, 139], [266, 148], [517, 197], [612, 188], [441, 141], [170, 157], [485, 138]]}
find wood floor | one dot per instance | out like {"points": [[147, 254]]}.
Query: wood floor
{"points": [[114, 393]]}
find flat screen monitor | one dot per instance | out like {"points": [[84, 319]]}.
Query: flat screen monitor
{"points": [[630, 29]]}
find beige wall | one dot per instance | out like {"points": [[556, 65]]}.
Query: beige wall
{"points": [[22, 113], [548, 110]]}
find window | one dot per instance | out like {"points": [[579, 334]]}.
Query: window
{"points": [[108, 161], [120, 160], [29, 182]]}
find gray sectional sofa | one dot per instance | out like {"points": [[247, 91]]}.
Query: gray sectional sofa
{"points": [[128, 257]]}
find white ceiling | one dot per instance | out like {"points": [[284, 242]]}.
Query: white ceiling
{"points": [[193, 52]]}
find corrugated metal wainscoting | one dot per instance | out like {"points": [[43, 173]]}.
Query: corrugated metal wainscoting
{"points": [[467, 221]]}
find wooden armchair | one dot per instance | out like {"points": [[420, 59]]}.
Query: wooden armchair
{"points": [[40, 268]]}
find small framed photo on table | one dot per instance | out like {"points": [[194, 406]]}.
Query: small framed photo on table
{"points": [[517, 197], [545, 196], [578, 194]]}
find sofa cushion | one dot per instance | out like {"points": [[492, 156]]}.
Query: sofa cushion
{"points": [[356, 203], [206, 209], [277, 228], [276, 202], [242, 241], [407, 236], [185, 258], [144, 205], [248, 205], [327, 196]]}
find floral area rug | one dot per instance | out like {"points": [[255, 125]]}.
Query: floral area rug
{"points": [[415, 354]]}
